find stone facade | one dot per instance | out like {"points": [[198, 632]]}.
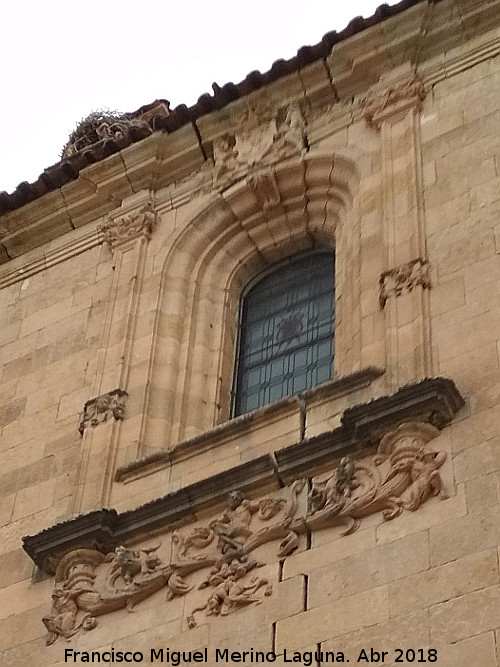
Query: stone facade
{"points": [[361, 514]]}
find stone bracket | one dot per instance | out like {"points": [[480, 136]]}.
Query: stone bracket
{"points": [[433, 400]]}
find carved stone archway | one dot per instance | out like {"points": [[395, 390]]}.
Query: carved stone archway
{"points": [[298, 204]]}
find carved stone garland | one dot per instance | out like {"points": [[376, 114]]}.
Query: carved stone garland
{"points": [[402, 475]]}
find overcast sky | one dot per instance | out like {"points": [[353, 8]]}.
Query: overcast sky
{"points": [[62, 59]]}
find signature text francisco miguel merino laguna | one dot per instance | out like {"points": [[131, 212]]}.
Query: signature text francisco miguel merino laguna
{"points": [[204, 656]]}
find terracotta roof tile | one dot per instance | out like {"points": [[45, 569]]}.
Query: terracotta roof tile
{"points": [[68, 169]]}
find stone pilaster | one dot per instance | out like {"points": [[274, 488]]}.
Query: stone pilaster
{"points": [[127, 236], [405, 282]]}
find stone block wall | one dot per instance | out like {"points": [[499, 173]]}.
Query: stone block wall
{"points": [[401, 175]]}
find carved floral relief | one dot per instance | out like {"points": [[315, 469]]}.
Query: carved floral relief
{"points": [[131, 226], [402, 475], [403, 279], [99, 410]]}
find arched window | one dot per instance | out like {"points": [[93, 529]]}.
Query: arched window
{"points": [[286, 331]]}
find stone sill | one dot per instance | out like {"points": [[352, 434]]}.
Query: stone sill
{"points": [[274, 412], [432, 400]]}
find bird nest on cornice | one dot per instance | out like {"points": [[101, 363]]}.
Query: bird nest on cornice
{"points": [[101, 125]]}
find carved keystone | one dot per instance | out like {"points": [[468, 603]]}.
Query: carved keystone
{"points": [[99, 410]]}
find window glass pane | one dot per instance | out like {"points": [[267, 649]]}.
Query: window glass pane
{"points": [[286, 336]]}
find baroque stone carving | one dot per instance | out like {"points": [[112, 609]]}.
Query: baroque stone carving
{"points": [[262, 137], [99, 410], [406, 93], [403, 279], [133, 575], [131, 226], [359, 488], [265, 188], [402, 475], [228, 590]]}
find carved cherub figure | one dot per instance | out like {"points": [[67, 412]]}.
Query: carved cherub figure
{"points": [[233, 526], [336, 489], [128, 562], [229, 592]]}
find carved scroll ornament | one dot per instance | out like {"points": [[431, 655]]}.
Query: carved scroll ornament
{"points": [[402, 475], [99, 410]]}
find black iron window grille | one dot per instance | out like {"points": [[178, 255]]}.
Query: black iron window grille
{"points": [[286, 332]]}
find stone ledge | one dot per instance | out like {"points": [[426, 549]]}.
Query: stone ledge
{"points": [[214, 437], [433, 400]]}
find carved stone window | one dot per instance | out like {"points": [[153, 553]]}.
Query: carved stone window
{"points": [[286, 331]]}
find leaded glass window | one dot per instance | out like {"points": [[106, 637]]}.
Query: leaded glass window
{"points": [[286, 331]]}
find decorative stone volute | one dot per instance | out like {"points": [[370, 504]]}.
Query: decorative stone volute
{"points": [[407, 438]]}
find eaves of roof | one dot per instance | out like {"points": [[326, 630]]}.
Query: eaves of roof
{"points": [[68, 169]]}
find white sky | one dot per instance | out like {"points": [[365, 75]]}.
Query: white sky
{"points": [[61, 59]]}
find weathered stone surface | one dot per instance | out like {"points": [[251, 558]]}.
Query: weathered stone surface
{"points": [[334, 619], [384, 147], [451, 621], [419, 591]]}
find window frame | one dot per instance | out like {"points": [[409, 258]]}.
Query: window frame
{"points": [[296, 257]]}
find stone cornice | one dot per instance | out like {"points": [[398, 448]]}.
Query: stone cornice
{"points": [[427, 39], [433, 400], [158, 161]]}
